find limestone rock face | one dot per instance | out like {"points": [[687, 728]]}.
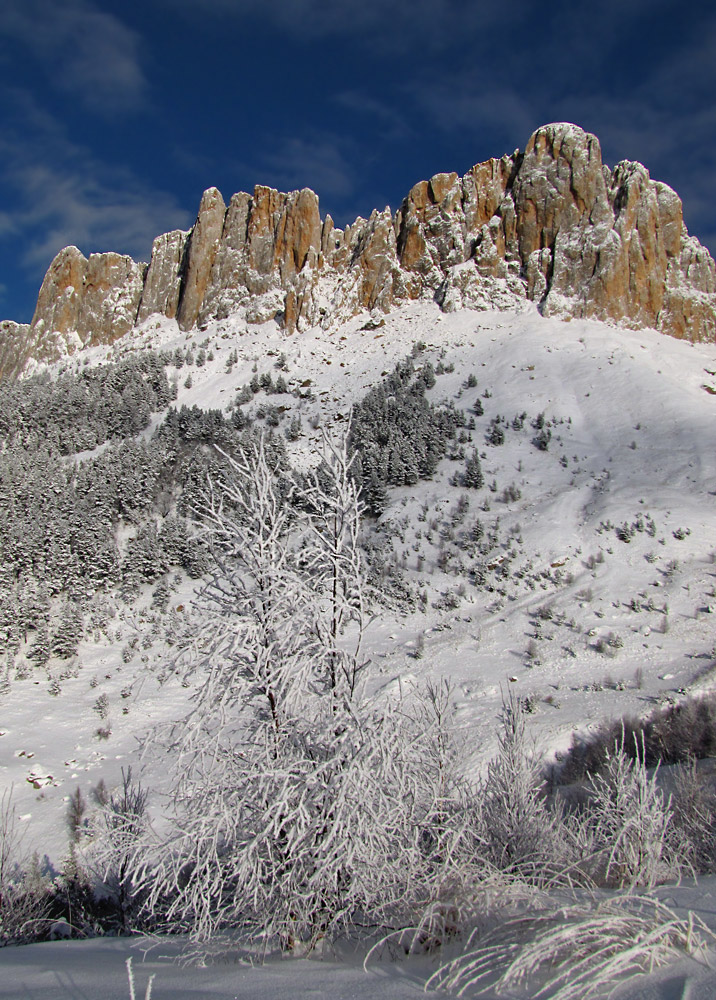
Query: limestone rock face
{"points": [[110, 297], [201, 251], [58, 304], [227, 288], [163, 282], [555, 226], [85, 302], [266, 242], [16, 344], [550, 225]]}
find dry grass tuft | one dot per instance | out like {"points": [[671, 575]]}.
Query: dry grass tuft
{"points": [[577, 951]]}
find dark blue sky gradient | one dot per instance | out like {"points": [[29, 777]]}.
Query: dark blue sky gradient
{"points": [[114, 118]]}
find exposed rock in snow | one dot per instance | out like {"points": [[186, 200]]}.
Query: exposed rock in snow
{"points": [[201, 251], [163, 282], [86, 302], [16, 343], [551, 224]]}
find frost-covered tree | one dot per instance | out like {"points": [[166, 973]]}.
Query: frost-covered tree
{"points": [[145, 558], [300, 805], [334, 561], [398, 435], [39, 651], [121, 824], [68, 630], [473, 477]]}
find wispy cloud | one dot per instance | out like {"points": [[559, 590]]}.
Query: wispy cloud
{"points": [[395, 26], [115, 212], [65, 195], [385, 117], [318, 161], [83, 50]]}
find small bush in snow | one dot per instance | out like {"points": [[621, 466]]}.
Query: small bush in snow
{"points": [[672, 735], [625, 824]]}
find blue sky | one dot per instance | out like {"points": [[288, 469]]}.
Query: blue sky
{"points": [[115, 117]]}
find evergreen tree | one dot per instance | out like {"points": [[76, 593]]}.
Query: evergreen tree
{"points": [[495, 435], [161, 596], [472, 477], [68, 631], [39, 651], [145, 559]]}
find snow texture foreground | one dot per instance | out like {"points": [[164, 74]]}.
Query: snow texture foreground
{"points": [[84, 970]]}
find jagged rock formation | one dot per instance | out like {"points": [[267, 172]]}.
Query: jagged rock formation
{"points": [[16, 346], [162, 286], [551, 225]]}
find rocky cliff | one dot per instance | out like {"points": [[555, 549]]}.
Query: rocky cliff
{"points": [[550, 224]]}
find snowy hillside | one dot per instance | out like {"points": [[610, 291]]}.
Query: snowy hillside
{"points": [[581, 575], [586, 625]]}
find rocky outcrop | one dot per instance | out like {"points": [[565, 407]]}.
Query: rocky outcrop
{"points": [[202, 246], [16, 347], [86, 302], [267, 242], [554, 226], [162, 286], [550, 224]]}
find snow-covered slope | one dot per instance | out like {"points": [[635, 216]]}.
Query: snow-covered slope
{"points": [[586, 625]]}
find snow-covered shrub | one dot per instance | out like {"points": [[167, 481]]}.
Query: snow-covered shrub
{"points": [[119, 828], [76, 809], [625, 824], [518, 832], [671, 735], [24, 891], [694, 817]]}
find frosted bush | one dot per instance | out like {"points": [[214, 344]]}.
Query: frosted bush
{"points": [[518, 832], [626, 823]]}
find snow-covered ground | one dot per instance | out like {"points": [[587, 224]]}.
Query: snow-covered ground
{"points": [[632, 442], [88, 970]]}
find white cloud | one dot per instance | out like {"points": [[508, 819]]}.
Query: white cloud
{"points": [[65, 206], [65, 195], [84, 50], [314, 161]]}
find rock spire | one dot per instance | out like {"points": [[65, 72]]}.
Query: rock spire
{"points": [[550, 224]]}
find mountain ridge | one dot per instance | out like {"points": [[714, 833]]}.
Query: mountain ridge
{"points": [[551, 225]]}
